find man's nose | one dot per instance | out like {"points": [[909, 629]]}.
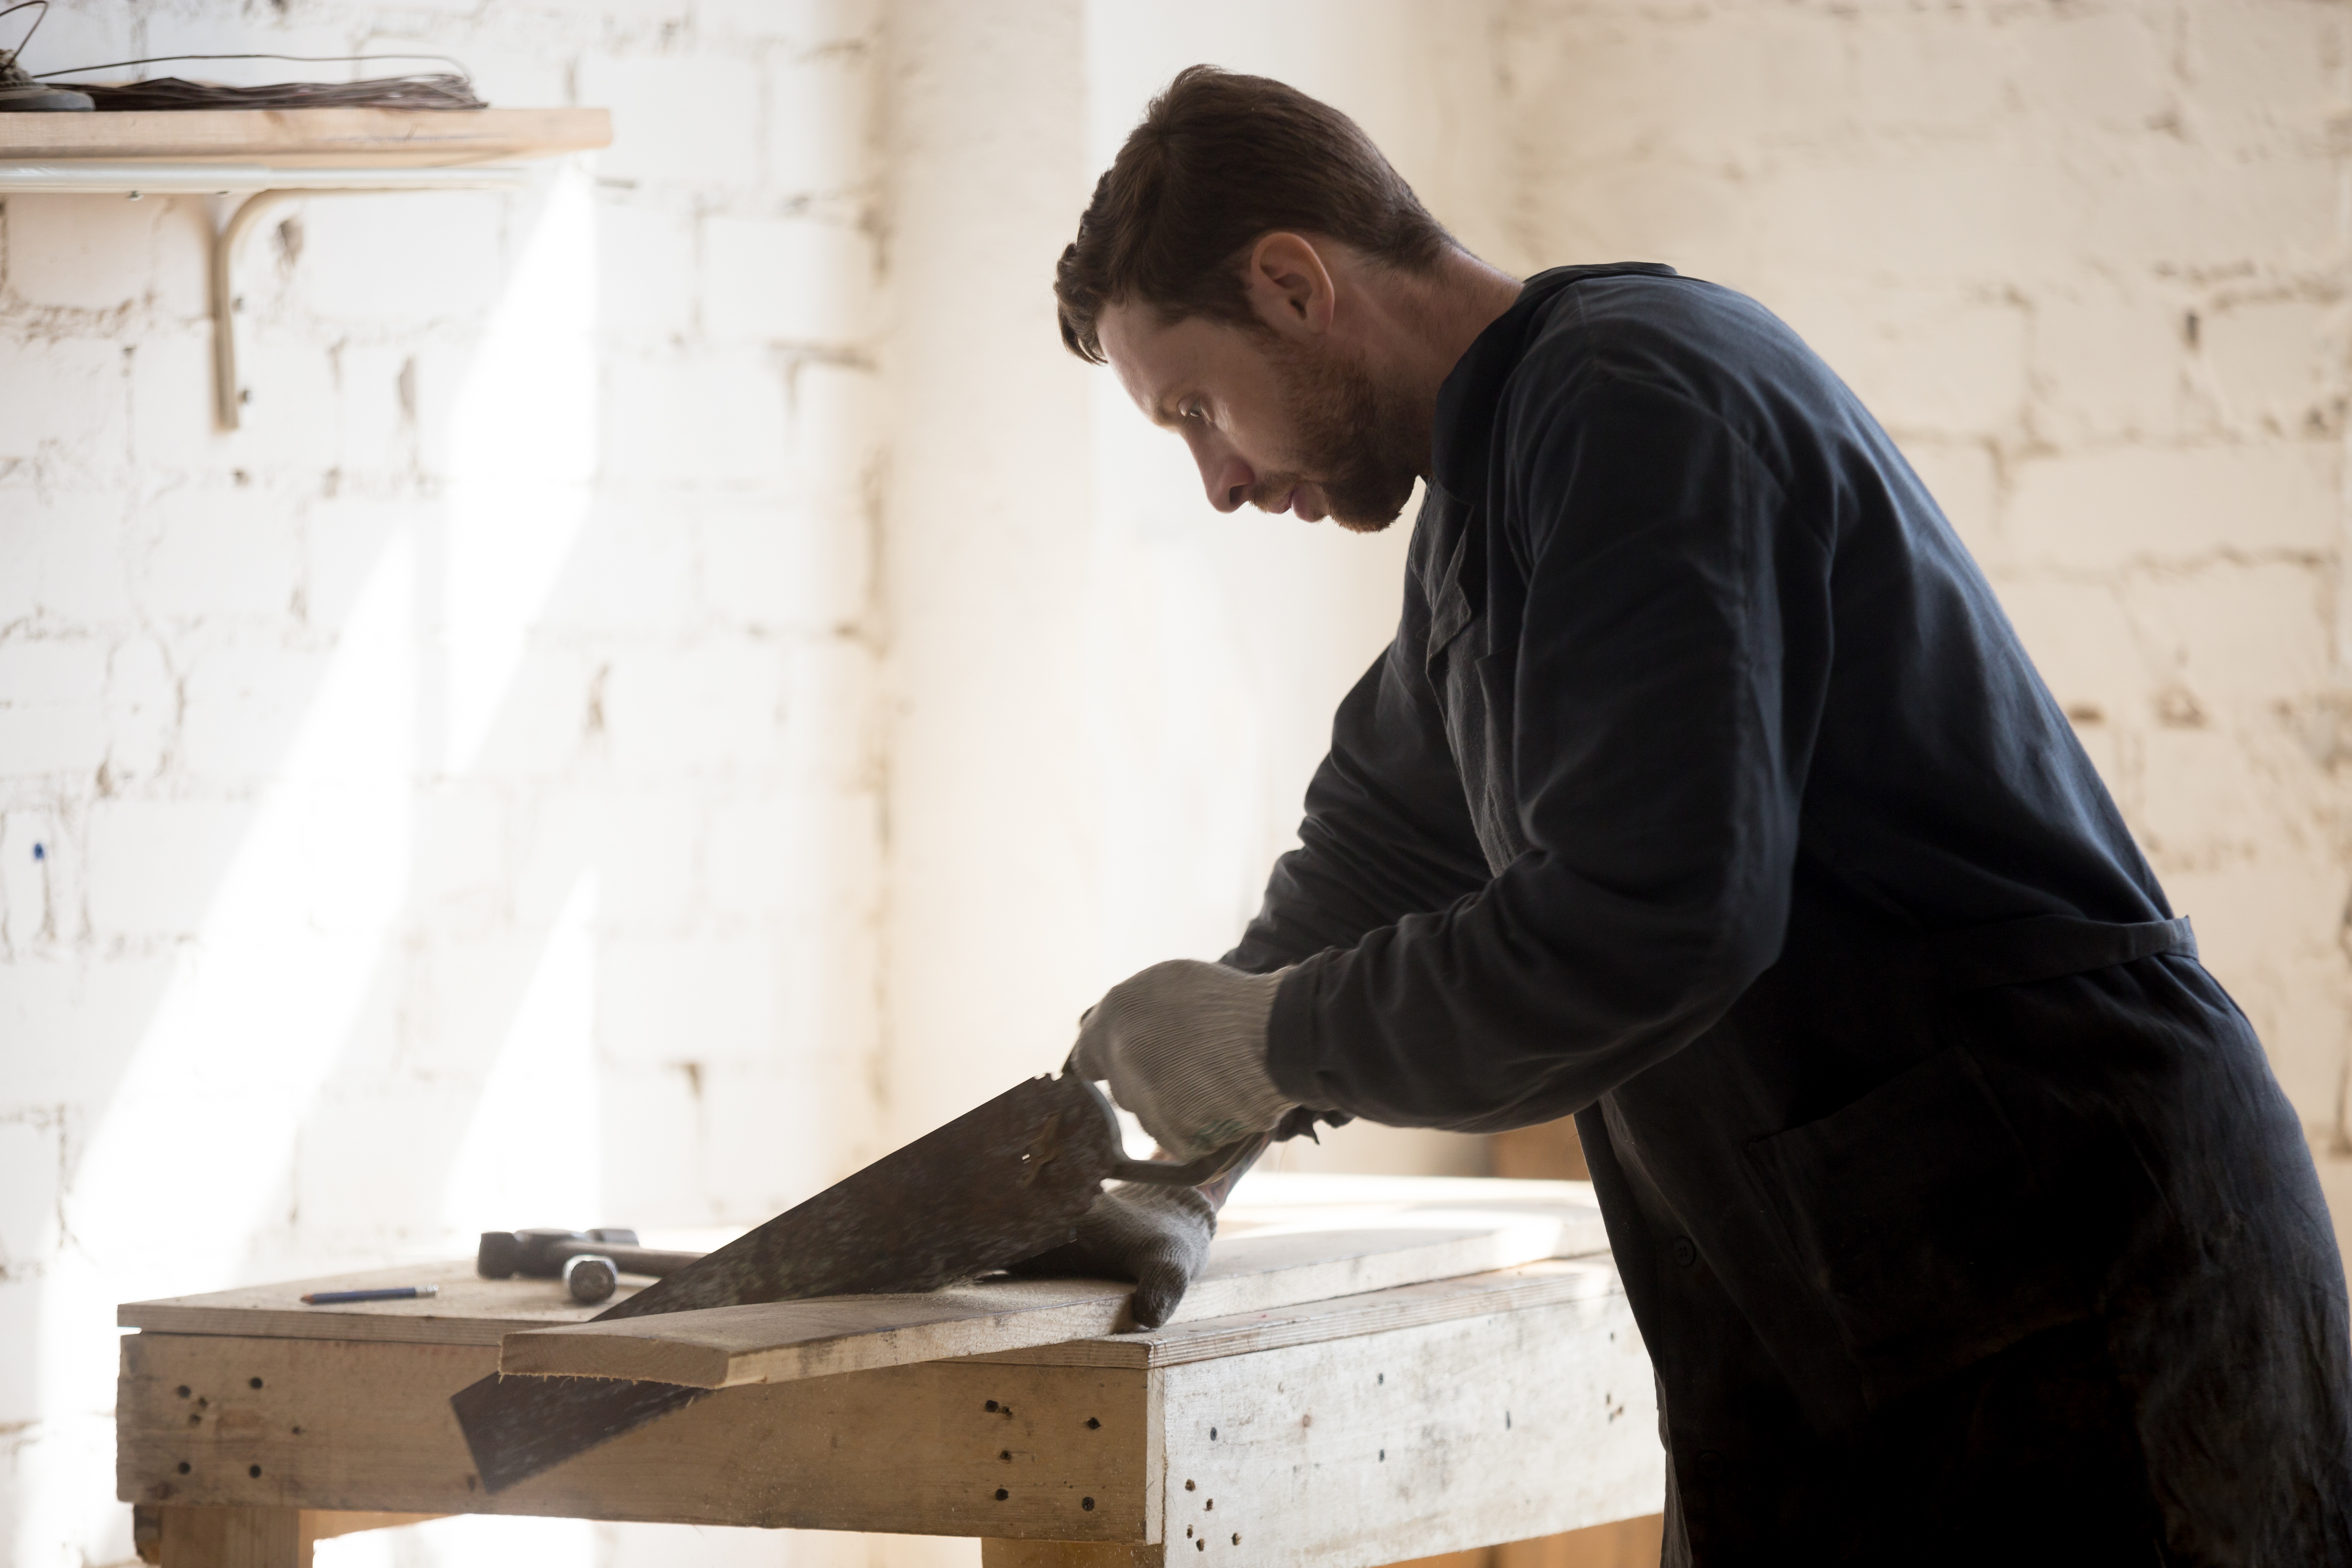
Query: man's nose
{"points": [[1227, 478]]}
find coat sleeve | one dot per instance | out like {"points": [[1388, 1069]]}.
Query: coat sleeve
{"points": [[1659, 741], [1387, 831]]}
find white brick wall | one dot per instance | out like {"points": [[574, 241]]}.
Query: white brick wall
{"points": [[499, 693]]}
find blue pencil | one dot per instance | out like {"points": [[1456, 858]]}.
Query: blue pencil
{"points": [[389, 1293]]}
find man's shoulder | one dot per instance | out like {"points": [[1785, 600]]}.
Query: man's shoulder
{"points": [[1648, 321]]}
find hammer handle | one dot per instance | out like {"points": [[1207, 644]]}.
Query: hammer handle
{"points": [[649, 1261]]}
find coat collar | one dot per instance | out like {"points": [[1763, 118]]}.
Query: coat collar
{"points": [[1468, 399]]}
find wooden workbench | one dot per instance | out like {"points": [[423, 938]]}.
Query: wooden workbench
{"points": [[1450, 1411]]}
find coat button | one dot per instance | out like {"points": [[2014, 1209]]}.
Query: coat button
{"points": [[1710, 1466], [1685, 1253]]}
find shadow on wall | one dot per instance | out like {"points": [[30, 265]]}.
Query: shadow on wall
{"points": [[394, 946]]}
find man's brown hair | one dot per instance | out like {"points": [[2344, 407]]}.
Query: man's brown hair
{"points": [[1219, 161]]}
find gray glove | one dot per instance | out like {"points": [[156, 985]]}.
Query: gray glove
{"points": [[1183, 1045], [1156, 1237]]}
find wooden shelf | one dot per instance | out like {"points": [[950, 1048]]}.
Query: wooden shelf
{"points": [[306, 138]]}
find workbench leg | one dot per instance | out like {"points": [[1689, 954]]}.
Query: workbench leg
{"points": [[1066, 1554], [234, 1538]]}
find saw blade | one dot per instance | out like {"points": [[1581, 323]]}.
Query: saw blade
{"points": [[997, 1185]]}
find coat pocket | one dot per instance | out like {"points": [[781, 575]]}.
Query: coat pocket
{"points": [[1916, 1213]]}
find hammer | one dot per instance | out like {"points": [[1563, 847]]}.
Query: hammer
{"points": [[590, 1263]]}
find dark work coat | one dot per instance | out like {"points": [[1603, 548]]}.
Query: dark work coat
{"points": [[1706, 794]]}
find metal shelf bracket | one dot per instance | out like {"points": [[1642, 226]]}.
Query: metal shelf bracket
{"points": [[265, 188]]}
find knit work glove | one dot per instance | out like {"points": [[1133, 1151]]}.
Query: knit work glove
{"points": [[1183, 1045], [1156, 1237]]}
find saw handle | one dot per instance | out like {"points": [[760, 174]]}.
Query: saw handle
{"points": [[1197, 1172]]}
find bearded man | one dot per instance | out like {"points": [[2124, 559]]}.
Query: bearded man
{"points": [[1706, 794]]}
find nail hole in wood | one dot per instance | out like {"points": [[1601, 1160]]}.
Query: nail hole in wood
{"points": [[184, 1466], [1210, 1506], [1190, 1487], [183, 1391], [1094, 1423], [990, 1405], [1088, 1503], [1202, 1544], [1001, 1494], [254, 1470], [195, 1419], [1006, 1456], [1237, 1538], [254, 1381]]}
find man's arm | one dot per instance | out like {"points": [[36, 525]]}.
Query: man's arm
{"points": [[1669, 676], [1387, 833]]}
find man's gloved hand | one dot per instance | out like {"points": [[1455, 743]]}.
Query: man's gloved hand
{"points": [[1183, 1045], [1156, 1237]]}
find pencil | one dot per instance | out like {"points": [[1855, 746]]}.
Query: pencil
{"points": [[389, 1294]]}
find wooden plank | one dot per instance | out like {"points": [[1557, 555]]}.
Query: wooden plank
{"points": [[1627, 1543], [1069, 1555], [1269, 1261], [1360, 1451], [299, 138], [1409, 1306], [233, 1538], [470, 1310], [1063, 1453]]}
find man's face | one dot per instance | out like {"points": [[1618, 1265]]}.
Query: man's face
{"points": [[1282, 424]]}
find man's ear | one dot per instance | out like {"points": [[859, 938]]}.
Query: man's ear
{"points": [[1288, 285]]}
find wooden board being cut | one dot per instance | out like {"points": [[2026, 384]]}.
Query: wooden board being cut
{"points": [[308, 138], [469, 1310], [1281, 1251]]}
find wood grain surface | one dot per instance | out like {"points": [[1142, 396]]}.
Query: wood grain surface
{"points": [[1263, 1261], [296, 138]]}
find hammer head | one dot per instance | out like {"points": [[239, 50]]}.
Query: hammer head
{"points": [[538, 1253]]}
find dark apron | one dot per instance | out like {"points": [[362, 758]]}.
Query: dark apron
{"points": [[1918, 1233]]}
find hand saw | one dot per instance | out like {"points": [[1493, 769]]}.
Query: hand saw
{"points": [[994, 1186]]}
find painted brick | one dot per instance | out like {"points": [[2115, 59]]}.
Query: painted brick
{"points": [[291, 415], [706, 419], [32, 1170], [631, 569], [2096, 68], [2100, 509], [28, 838], [836, 433], [792, 280], [89, 253], [1943, 73], [645, 284], [171, 412], [244, 703], [141, 709], [691, 120], [2105, 364], [2270, 362], [403, 259], [662, 1000], [778, 566], [821, 124], [2265, 60], [61, 559], [214, 553], [714, 708], [2254, 633], [155, 866], [62, 401], [51, 714], [459, 864]]}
